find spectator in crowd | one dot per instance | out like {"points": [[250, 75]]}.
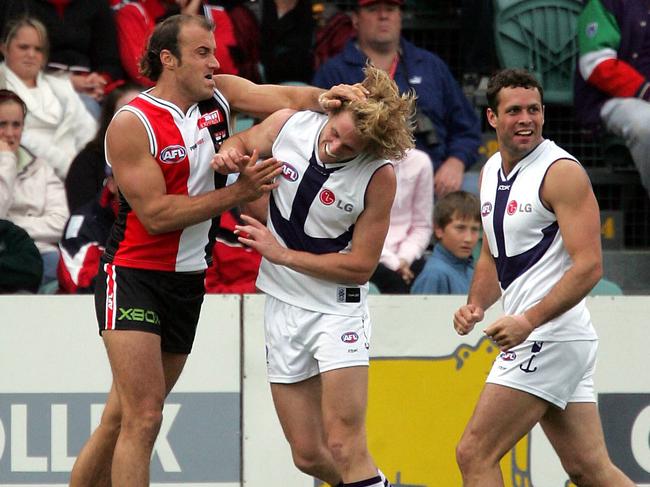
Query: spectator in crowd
{"points": [[134, 23], [457, 223], [447, 128], [247, 33], [477, 43], [84, 239], [86, 175], [612, 88], [83, 44], [21, 266], [57, 124], [31, 195], [287, 36], [136, 19], [411, 225], [234, 265]]}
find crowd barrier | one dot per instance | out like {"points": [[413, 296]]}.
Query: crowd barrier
{"points": [[219, 426]]}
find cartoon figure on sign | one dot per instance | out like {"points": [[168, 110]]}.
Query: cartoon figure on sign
{"points": [[417, 410]]}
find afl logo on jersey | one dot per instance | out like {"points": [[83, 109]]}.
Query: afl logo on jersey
{"points": [[349, 337], [289, 172], [508, 356], [486, 209], [173, 154], [512, 207], [327, 197]]}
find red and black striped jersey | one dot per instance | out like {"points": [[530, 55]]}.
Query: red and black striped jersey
{"points": [[183, 144]]}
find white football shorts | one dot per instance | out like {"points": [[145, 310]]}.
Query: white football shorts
{"points": [[558, 372], [301, 343]]}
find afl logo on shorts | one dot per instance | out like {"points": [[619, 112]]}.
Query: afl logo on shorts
{"points": [[349, 337], [508, 356], [289, 172], [327, 197], [173, 154], [512, 207], [486, 209]]}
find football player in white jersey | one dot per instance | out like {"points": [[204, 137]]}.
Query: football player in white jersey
{"points": [[327, 222], [541, 256], [146, 359]]}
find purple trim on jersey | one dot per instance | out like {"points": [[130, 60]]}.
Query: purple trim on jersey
{"points": [[292, 230], [541, 185], [510, 268], [365, 193], [364, 483]]}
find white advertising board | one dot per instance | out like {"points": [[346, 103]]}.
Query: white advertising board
{"points": [[54, 376]]}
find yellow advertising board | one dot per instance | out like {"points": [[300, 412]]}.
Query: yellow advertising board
{"points": [[418, 410]]}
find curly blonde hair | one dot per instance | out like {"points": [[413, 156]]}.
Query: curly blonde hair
{"points": [[384, 118]]}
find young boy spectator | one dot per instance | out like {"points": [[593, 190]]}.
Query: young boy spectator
{"points": [[449, 270]]}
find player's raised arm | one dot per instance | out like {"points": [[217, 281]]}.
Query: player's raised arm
{"points": [[141, 181], [262, 100]]}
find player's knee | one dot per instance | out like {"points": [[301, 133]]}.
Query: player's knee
{"points": [[578, 477], [145, 422], [346, 436], [308, 460], [346, 449], [586, 469], [111, 420], [466, 455], [111, 426]]}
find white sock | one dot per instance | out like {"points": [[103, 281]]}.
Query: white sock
{"points": [[384, 479]]}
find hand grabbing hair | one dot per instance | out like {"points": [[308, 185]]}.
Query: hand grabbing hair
{"points": [[384, 117]]}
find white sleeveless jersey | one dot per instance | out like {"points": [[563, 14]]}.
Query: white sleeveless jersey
{"points": [[525, 241], [314, 209]]}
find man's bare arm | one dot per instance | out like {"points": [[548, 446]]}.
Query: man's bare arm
{"points": [[485, 289], [262, 100], [143, 185], [568, 192]]}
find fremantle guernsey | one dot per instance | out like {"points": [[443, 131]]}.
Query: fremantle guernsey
{"points": [[183, 145], [525, 241], [314, 209]]}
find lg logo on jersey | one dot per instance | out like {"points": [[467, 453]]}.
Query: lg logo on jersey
{"points": [[514, 207], [327, 197]]}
